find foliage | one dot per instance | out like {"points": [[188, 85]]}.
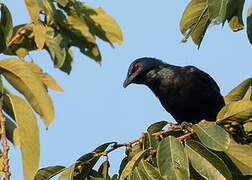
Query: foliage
{"points": [[55, 26], [208, 152], [199, 14]]}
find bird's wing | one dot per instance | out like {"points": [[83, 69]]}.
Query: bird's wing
{"points": [[201, 75]]}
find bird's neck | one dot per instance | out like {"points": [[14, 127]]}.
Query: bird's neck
{"points": [[160, 76]]}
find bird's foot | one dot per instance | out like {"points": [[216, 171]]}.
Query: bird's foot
{"points": [[187, 126], [174, 126]]}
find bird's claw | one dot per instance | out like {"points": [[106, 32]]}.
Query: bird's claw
{"points": [[187, 126]]}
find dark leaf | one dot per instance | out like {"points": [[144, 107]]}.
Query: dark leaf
{"points": [[217, 10], [103, 169], [156, 127], [234, 14], [5, 27], [123, 164], [48, 172], [149, 141]]}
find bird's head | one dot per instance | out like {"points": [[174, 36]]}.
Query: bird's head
{"points": [[138, 70]]}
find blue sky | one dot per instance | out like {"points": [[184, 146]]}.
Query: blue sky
{"points": [[94, 107]]}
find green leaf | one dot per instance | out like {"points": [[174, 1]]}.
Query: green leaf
{"points": [[156, 127], [239, 111], [10, 128], [96, 178], [103, 169], [39, 31], [23, 79], [141, 174], [5, 27], [195, 21], [100, 23], [205, 162], [171, 159], [238, 92], [48, 172], [50, 11], [241, 155], [33, 9], [25, 43], [123, 164], [7, 107], [212, 136], [234, 14], [249, 24], [149, 141], [68, 173], [57, 46], [217, 10], [28, 133], [150, 170], [62, 2], [248, 95], [134, 150], [129, 168], [45, 78]]}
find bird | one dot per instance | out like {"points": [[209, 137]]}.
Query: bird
{"points": [[187, 93]]}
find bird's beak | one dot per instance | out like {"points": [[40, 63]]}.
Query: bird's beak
{"points": [[129, 79]]}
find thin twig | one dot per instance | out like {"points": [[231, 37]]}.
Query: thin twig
{"points": [[17, 36], [4, 144]]}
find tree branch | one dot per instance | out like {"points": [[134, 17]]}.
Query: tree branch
{"points": [[4, 144]]}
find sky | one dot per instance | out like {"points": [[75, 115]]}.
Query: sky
{"points": [[95, 108]]}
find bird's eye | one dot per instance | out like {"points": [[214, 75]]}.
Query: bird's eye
{"points": [[136, 66]]}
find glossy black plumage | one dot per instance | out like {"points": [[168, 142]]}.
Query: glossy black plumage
{"points": [[187, 93]]}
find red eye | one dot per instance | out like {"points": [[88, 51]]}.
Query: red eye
{"points": [[136, 66]]}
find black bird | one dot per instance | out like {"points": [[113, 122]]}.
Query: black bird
{"points": [[187, 93]]}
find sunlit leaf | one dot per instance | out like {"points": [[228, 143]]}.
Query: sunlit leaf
{"points": [[195, 21], [212, 136], [5, 27], [156, 127], [33, 9], [248, 95], [217, 10], [206, 163], [28, 135], [100, 23], [171, 159], [234, 14], [45, 78], [239, 111], [129, 168], [39, 31], [62, 2], [48, 172], [238, 92], [22, 78], [241, 155], [68, 173]]}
